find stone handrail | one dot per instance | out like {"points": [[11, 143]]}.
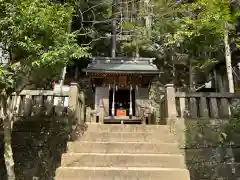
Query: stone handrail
{"points": [[42, 93], [50, 103], [197, 104]]}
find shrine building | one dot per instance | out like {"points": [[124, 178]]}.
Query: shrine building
{"points": [[121, 86]]}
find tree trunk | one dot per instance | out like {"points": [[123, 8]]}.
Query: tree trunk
{"points": [[228, 61], [7, 114], [63, 75], [8, 153], [114, 28], [191, 78], [229, 152]]}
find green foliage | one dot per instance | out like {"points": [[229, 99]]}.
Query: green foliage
{"points": [[201, 29], [204, 17], [6, 78], [195, 29], [234, 125], [232, 130], [35, 36]]}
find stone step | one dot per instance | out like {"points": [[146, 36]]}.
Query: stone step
{"points": [[112, 173], [123, 147], [122, 160], [127, 128], [128, 137]]}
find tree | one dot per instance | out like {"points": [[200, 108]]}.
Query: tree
{"points": [[153, 38], [35, 40], [93, 24], [208, 18], [195, 32]]}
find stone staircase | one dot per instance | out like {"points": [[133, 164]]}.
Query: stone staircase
{"points": [[123, 152]]}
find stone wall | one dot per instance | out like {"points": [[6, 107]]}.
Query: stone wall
{"points": [[38, 144], [156, 91], [141, 100], [207, 156]]}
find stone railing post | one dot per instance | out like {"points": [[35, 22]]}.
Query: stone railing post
{"points": [[101, 115], [88, 114], [170, 103], [82, 106], [73, 102], [177, 126]]}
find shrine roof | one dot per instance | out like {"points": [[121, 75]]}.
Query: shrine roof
{"points": [[122, 65]]}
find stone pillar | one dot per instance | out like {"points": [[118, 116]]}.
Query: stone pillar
{"points": [[73, 111], [82, 106], [130, 103], [113, 102], [101, 115], [97, 100], [177, 125], [88, 114], [171, 111], [72, 102]]}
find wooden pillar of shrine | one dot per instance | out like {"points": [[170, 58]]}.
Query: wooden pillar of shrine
{"points": [[130, 104], [113, 102]]}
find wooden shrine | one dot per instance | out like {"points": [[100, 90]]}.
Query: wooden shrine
{"points": [[121, 86]]}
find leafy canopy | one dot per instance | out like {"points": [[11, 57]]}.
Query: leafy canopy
{"points": [[36, 41], [195, 29], [207, 17]]}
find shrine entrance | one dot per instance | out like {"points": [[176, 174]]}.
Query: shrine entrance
{"points": [[123, 101]]}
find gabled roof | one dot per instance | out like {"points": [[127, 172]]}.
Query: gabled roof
{"points": [[122, 65]]}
